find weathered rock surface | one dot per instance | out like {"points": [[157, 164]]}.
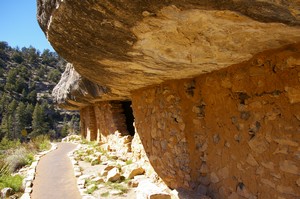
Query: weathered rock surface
{"points": [[6, 192], [146, 190], [132, 170], [232, 130], [113, 175], [129, 45], [74, 91], [105, 171]]}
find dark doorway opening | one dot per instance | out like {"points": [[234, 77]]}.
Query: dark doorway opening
{"points": [[126, 105]]}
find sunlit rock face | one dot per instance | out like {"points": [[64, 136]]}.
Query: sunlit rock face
{"points": [[129, 45], [231, 133], [74, 91], [214, 87]]}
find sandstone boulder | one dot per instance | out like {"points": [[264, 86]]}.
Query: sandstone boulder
{"points": [[95, 160], [106, 169], [132, 170], [25, 196], [148, 190], [97, 180], [6, 192], [113, 175]]}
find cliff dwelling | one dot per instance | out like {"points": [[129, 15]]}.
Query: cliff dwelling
{"points": [[208, 90]]}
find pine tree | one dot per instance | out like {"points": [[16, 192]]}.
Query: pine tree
{"points": [[44, 108], [11, 80], [4, 125], [12, 106], [12, 131], [1, 134], [4, 101], [37, 120], [65, 128], [39, 123], [24, 94], [17, 71], [31, 97], [28, 112], [74, 124], [7, 127], [11, 126], [20, 118]]}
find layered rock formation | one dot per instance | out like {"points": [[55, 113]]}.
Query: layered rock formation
{"points": [[214, 86], [74, 91], [132, 44]]}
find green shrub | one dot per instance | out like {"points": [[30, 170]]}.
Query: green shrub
{"points": [[42, 142], [84, 141], [91, 190], [105, 194], [95, 162], [15, 155], [17, 158], [117, 186], [129, 161], [93, 143], [8, 144], [17, 57], [14, 182], [75, 138], [90, 151], [4, 168], [44, 146], [29, 158]]}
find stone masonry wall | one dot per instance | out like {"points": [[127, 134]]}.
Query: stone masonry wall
{"points": [[88, 123], [233, 133], [110, 118], [105, 122]]}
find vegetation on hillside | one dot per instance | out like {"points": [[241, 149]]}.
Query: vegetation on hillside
{"points": [[27, 77], [28, 117], [15, 155]]}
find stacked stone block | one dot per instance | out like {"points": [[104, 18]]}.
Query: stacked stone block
{"points": [[229, 134]]}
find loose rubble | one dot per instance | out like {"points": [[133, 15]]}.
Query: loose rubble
{"points": [[6, 192], [103, 173]]}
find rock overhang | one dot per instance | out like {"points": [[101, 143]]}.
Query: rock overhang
{"points": [[74, 92], [128, 45]]}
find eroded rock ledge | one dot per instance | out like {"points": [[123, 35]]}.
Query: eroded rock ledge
{"points": [[74, 91], [129, 45]]}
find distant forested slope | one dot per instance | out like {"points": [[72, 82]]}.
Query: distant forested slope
{"points": [[27, 77]]}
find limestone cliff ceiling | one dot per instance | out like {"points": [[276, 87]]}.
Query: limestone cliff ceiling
{"points": [[126, 45]]}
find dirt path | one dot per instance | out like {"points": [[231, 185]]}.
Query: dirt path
{"points": [[55, 177]]}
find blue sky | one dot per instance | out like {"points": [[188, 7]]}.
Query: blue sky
{"points": [[18, 25]]}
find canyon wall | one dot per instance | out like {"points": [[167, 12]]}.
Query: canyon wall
{"points": [[214, 86], [129, 45], [231, 133]]}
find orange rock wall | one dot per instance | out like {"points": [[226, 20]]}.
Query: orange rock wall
{"points": [[233, 133]]}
